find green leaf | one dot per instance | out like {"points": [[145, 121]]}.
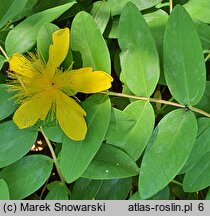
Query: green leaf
{"points": [[161, 195], [57, 191], [101, 13], [204, 103], [43, 4], [198, 177], [2, 61], [201, 146], [184, 64], [76, 156], [204, 33], [44, 39], [10, 9], [167, 152], [199, 9], [113, 31], [86, 39], [203, 125], [208, 195], [14, 142], [27, 175], [54, 132], [28, 10], [120, 124], [139, 57], [4, 190], [3, 35], [135, 196], [109, 163], [133, 140], [157, 23], [89, 189], [164, 194], [85, 189], [23, 36], [7, 103], [117, 6], [114, 189]]}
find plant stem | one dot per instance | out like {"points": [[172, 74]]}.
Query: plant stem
{"points": [[164, 106], [156, 101], [53, 155], [4, 53], [171, 5], [207, 57], [43, 190], [161, 5], [194, 109], [176, 182], [143, 98]]}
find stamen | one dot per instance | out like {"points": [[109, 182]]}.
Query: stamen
{"points": [[22, 84]]}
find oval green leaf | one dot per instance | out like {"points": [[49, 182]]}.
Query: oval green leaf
{"points": [[91, 189], [117, 6], [4, 190], [204, 33], [198, 177], [85, 189], [199, 9], [7, 103], [10, 9], [109, 163], [184, 64], [14, 142], [101, 13], [157, 23], [44, 39], [114, 189], [2, 61], [23, 36], [76, 156], [167, 152], [201, 146], [208, 195], [120, 124], [27, 175], [57, 191], [204, 103], [132, 136], [54, 132], [86, 39], [139, 58], [164, 194]]}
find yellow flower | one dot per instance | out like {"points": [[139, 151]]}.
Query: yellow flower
{"points": [[43, 87]]}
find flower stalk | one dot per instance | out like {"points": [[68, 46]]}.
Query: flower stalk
{"points": [[171, 5], [53, 155]]}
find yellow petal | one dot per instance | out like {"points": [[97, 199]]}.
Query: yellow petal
{"points": [[70, 117], [58, 50], [85, 80], [32, 110], [21, 65]]}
